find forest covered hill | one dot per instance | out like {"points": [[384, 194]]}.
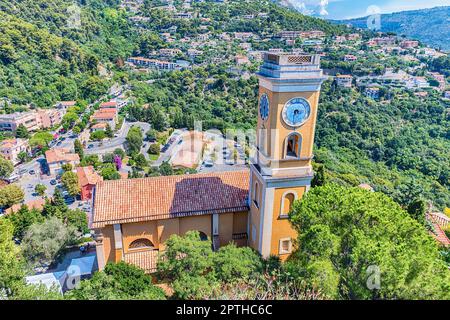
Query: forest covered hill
{"points": [[431, 26]]}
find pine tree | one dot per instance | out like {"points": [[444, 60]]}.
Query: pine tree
{"points": [[22, 132], [79, 148]]}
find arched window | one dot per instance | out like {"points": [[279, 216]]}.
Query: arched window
{"points": [[141, 244], [293, 146], [287, 202], [203, 236]]}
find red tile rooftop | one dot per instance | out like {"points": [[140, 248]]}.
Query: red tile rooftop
{"points": [[136, 200]]}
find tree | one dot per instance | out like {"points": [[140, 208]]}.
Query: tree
{"points": [[186, 262], [22, 132], [417, 209], [22, 157], [155, 149], [78, 148], [66, 167], [40, 189], [69, 119], [6, 168], [118, 161], [56, 207], [109, 172], [70, 182], [77, 219], [134, 140], [77, 129], [140, 161], [120, 153], [91, 160], [98, 135], [117, 281], [319, 176], [166, 169], [23, 219], [11, 271], [44, 241], [233, 264], [108, 131], [41, 139], [151, 135], [11, 194], [348, 237]]}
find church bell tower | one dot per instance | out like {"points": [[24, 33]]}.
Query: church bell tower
{"points": [[281, 171]]}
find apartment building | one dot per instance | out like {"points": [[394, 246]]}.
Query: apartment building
{"points": [[48, 118], [56, 158], [10, 122], [11, 148]]}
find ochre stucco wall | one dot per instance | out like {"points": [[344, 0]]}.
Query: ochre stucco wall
{"points": [[108, 244], [254, 216], [166, 228], [140, 230], [281, 227], [275, 144], [199, 223], [225, 228]]}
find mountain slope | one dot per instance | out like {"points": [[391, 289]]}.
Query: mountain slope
{"points": [[431, 26]]}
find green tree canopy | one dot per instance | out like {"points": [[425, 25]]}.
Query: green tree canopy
{"points": [[6, 168], [117, 281], [44, 241], [347, 234], [11, 194], [70, 182]]}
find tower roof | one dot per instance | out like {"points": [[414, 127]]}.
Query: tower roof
{"points": [[291, 66], [291, 72]]}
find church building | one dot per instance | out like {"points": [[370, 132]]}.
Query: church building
{"points": [[133, 218]]}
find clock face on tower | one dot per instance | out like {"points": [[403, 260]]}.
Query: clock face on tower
{"points": [[296, 111], [264, 107]]}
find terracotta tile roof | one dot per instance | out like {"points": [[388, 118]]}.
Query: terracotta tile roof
{"points": [[106, 110], [440, 235], [57, 155], [68, 103], [33, 204], [105, 114], [100, 125], [135, 200], [146, 260], [11, 143], [439, 221], [87, 175], [108, 104]]}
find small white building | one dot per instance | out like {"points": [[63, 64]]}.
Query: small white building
{"points": [[344, 81]]}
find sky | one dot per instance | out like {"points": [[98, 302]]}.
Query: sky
{"points": [[347, 9]]}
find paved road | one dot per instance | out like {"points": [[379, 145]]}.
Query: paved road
{"points": [[224, 160], [165, 156], [110, 145]]}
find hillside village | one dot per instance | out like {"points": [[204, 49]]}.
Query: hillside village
{"points": [[57, 154]]}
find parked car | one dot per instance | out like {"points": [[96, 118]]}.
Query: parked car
{"points": [[32, 172], [13, 178], [208, 163], [53, 182], [90, 146]]}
